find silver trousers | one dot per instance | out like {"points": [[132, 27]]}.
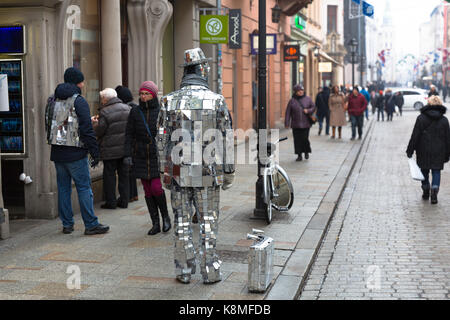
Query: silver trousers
{"points": [[206, 204]]}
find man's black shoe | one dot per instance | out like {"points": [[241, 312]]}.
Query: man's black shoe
{"points": [[107, 206], [99, 229], [67, 230], [306, 156], [299, 158]]}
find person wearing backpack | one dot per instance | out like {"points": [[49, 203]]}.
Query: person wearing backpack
{"points": [[141, 153], [71, 136], [430, 140]]}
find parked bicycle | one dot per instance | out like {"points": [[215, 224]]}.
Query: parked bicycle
{"points": [[278, 189]]}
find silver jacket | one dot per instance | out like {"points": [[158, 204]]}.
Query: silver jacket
{"points": [[196, 109]]}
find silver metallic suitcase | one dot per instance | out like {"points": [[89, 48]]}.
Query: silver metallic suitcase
{"points": [[260, 262]]}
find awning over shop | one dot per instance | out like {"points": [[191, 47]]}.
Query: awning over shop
{"points": [[291, 7], [328, 58]]}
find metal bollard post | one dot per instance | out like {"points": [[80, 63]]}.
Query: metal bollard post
{"points": [[260, 261]]}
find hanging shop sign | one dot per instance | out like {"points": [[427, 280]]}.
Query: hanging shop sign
{"points": [[291, 53], [213, 29], [271, 43], [235, 25], [12, 40], [325, 67]]}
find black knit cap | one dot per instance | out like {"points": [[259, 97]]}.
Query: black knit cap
{"points": [[124, 94], [73, 75]]}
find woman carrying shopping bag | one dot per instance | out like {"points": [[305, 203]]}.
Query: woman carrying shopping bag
{"points": [[431, 141], [299, 113]]}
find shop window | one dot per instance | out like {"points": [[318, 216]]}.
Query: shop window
{"points": [[83, 21]]}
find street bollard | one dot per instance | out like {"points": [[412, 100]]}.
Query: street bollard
{"points": [[4, 224], [260, 261]]}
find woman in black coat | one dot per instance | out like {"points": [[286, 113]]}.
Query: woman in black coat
{"points": [[142, 153], [431, 141], [124, 94]]}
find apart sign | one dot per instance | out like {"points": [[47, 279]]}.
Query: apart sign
{"points": [[213, 29], [325, 67], [291, 53], [235, 41], [271, 43]]}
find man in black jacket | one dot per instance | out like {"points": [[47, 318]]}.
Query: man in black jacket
{"points": [[110, 129], [71, 142], [323, 110]]}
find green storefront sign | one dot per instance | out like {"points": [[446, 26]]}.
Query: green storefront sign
{"points": [[213, 29]]}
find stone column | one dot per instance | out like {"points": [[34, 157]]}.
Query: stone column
{"points": [[111, 44], [148, 20]]}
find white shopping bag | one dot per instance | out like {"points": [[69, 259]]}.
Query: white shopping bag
{"points": [[416, 174]]}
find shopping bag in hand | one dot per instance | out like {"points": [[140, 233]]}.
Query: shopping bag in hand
{"points": [[416, 174]]}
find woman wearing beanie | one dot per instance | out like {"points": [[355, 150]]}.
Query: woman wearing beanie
{"points": [[431, 141], [298, 109], [142, 153], [124, 94]]}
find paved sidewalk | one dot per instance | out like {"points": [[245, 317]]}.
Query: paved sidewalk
{"points": [[128, 264], [384, 241]]}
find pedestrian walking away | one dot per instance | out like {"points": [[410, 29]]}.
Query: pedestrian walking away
{"points": [[366, 95], [389, 104], [430, 140], [124, 94], [142, 154], [192, 183], [357, 104], [336, 104], [399, 101], [298, 109], [110, 127], [380, 105], [444, 91], [72, 138], [323, 110]]}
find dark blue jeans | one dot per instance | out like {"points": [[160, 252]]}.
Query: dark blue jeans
{"points": [[327, 122], [357, 121], [436, 178], [79, 172]]}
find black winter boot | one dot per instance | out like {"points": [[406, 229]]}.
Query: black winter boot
{"points": [[426, 192], [162, 205], [434, 193], [153, 210]]}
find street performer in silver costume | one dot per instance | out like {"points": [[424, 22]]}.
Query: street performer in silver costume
{"points": [[193, 113]]}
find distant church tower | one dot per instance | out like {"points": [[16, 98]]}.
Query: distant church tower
{"points": [[388, 37]]}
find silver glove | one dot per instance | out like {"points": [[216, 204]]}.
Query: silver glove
{"points": [[228, 179]]}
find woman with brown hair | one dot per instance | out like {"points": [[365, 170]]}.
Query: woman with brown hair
{"points": [[336, 103]]}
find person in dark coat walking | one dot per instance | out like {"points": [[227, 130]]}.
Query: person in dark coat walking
{"points": [[323, 110], [142, 153], [399, 101], [389, 104], [357, 104], [444, 91], [297, 111], [380, 105], [70, 144], [110, 128], [124, 94], [433, 91], [430, 140]]}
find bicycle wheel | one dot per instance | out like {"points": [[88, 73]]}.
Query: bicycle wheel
{"points": [[282, 189], [268, 194]]}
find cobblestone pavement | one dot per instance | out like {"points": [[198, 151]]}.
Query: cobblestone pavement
{"points": [[384, 241], [128, 264]]}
